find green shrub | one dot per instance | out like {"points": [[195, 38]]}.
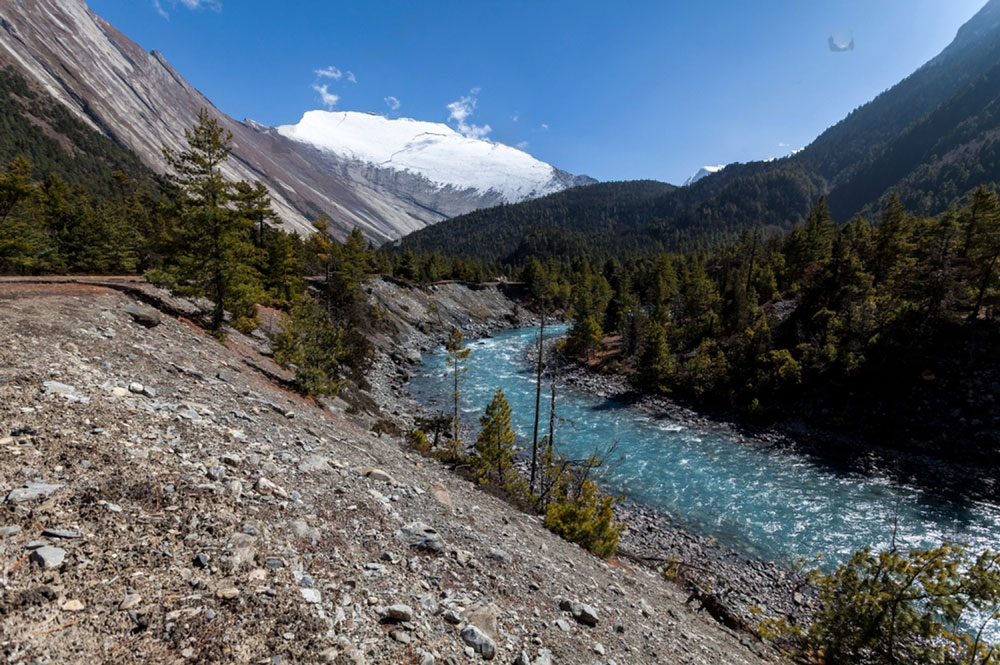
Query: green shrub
{"points": [[585, 516], [418, 441], [494, 459], [584, 338], [312, 346], [891, 608]]}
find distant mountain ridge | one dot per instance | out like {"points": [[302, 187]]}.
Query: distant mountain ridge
{"points": [[137, 99], [703, 172], [931, 139]]}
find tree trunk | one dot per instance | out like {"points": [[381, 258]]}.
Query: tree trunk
{"points": [[552, 412], [538, 404], [455, 395]]}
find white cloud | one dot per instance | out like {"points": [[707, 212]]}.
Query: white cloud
{"points": [[545, 126], [462, 110], [214, 5], [329, 99], [198, 4], [330, 72], [392, 103], [523, 145], [516, 116]]}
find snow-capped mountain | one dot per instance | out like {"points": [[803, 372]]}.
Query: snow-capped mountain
{"points": [[703, 172], [434, 151], [387, 178]]}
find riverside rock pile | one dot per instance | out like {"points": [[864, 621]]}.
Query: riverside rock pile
{"points": [[165, 499]]}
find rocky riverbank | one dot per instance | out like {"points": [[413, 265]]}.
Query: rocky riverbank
{"points": [[743, 580], [750, 587], [651, 539]]}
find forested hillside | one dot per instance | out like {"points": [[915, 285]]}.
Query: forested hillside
{"points": [[930, 140], [35, 126], [620, 219], [885, 332]]}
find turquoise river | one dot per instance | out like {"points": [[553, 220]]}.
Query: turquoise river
{"points": [[766, 503]]}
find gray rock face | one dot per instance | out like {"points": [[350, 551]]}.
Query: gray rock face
{"points": [[499, 555], [587, 615], [484, 617], [265, 486], [314, 464], [400, 612], [379, 475], [544, 657], [130, 601], [62, 533], [479, 641], [32, 491], [58, 388], [582, 612], [422, 536], [48, 557]]}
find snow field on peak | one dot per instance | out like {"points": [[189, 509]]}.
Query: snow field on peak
{"points": [[432, 150], [703, 172]]}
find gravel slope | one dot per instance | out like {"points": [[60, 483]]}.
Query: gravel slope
{"points": [[165, 500]]}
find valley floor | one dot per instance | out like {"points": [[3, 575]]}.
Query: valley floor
{"points": [[164, 498]]}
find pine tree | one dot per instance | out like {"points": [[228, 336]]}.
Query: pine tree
{"points": [[319, 249], [15, 187], [254, 203], [664, 290], [495, 443], [21, 240], [891, 607], [982, 247], [582, 514], [809, 244], [584, 338], [215, 254], [656, 363], [892, 248], [699, 303], [282, 267], [352, 263], [938, 242], [622, 305], [311, 345]]}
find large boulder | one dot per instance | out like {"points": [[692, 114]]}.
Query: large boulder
{"points": [[421, 536], [143, 315]]}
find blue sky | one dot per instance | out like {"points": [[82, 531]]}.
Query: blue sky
{"points": [[619, 90]]}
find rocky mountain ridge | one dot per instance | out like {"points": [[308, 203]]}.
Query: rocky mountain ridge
{"points": [[143, 103]]}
